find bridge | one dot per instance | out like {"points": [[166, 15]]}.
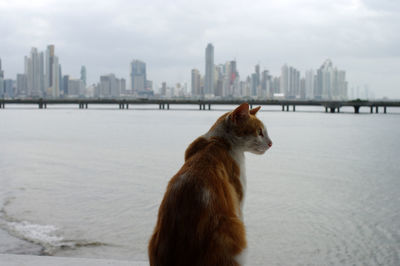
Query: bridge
{"points": [[330, 106]]}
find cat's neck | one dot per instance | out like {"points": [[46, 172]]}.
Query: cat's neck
{"points": [[235, 150], [222, 130]]}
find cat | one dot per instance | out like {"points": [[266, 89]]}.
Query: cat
{"points": [[200, 219]]}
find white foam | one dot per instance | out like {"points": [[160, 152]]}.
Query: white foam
{"points": [[41, 234]]}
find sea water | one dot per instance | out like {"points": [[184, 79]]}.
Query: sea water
{"points": [[88, 183]]}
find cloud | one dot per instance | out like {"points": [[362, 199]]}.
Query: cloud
{"points": [[171, 36]]}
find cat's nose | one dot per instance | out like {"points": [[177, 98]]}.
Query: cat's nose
{"points": [[270, 144]]}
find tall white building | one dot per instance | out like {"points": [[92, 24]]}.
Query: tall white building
{"points": [[330, 82], [209, 73], [196, 83], [34, 71], [309, 84], [138, 76], [52, 77], [110, 86], [290, 82], [1, 80]]}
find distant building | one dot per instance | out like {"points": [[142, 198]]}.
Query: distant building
{"points": [[255, 81], [65, 82], [53, 79], [138, 76], [22, 85], [219, 80], [265, 85], [196, 83], [163, 90], [290, 82], [1, 71], [230, 86], [149, 85], [9, 86], [83, 75], [330, 82], [209, 73], [34, 71], [110, 86], [1, 80], [76, 88], [309, 84]]}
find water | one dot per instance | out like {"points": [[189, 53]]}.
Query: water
{"points": [[87, 183]]}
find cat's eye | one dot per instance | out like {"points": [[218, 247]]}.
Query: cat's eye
{"points": [[260, 132]]}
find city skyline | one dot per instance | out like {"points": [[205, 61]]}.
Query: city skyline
{"points": [[43, 77], [56, 79], [359, 36]]}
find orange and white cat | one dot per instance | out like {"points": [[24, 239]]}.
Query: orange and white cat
{"points": [[200, 220]]}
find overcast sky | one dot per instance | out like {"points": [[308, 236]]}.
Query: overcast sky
{"points": [[359, 36]]}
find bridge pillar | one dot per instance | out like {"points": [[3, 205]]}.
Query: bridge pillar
{"points": [[283, 108], [326, 109], [377, 109], [332, 109], [372, 109], [356, 109], [287, 108], [384, 109], [45, 105], [294, 108], [167, 106], [338, 109], [209, 106]]}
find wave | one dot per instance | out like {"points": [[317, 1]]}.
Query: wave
{"points": [[48, 237]]}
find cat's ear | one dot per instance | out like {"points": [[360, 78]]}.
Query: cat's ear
{"points": [[255, 110], [240, 113]]}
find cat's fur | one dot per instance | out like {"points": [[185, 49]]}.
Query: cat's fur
{"points": [[200, 218]]}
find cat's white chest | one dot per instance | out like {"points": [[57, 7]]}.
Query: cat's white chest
{"points": [[240, 160]]}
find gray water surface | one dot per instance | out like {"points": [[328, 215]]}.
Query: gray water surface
{"points": [[87, 183]]}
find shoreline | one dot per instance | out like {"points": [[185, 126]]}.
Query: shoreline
{"points": [[31, 260]]}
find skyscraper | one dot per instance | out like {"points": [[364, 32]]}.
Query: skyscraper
{"points": [[22, 85], [309, 84], [1, 71], [52, 82], [330, 82], [83, 75], [1, 80], [34, 71], [196, 82], [138, 76], [209, 74], [290, 81]]}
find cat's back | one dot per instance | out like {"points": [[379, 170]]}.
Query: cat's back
{"points": [[195, 200]]}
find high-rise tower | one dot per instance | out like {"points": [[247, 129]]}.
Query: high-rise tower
{"points": [[1, 71], [52, 82], [138, 75], [34, 71], [83, 75], [1, 80], [209, 74]]}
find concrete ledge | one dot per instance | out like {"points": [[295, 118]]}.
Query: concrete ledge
{"points": [[27, 260]]}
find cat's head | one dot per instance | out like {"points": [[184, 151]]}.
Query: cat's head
{"points": [[248, 131]]}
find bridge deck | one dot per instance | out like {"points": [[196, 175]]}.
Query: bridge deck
{"points": [[331, 106]]}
